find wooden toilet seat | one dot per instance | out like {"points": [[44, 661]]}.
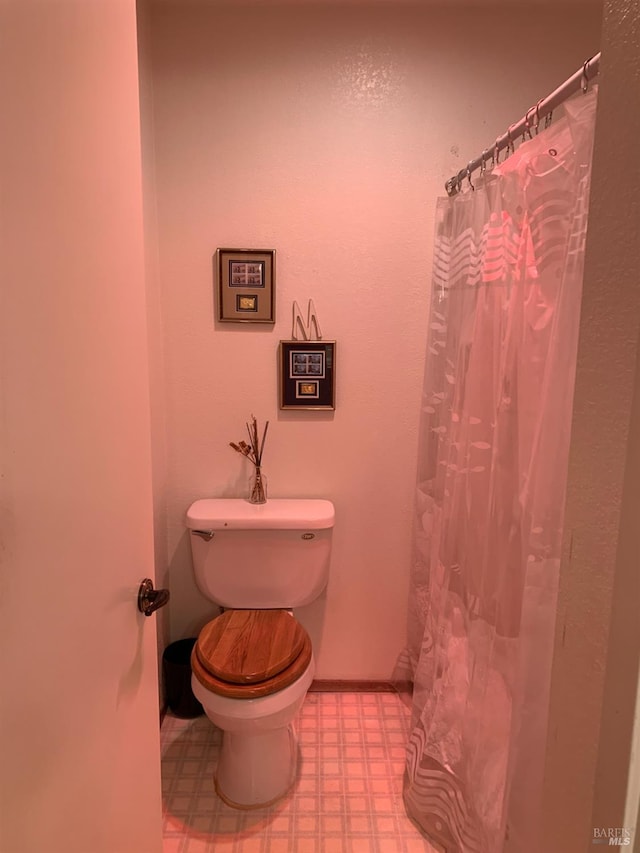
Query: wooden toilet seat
{"points": [[244, 654]]}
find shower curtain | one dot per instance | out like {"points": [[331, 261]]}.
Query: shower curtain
{"points": [[494, 442]]}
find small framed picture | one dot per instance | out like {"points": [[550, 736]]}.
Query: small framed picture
{"points": [[246, 285], [307, 374]]}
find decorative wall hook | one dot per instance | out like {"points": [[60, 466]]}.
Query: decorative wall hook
{"points": [[305, 328]]}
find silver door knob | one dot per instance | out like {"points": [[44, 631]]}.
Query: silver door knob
{"points": [[150, 599]]}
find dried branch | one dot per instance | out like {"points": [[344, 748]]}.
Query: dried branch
{"points": [[254, 449]]}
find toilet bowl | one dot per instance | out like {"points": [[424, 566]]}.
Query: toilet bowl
{"points": [[253, 664], [251, 670]]}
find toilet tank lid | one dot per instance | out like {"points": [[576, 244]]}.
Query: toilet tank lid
{"points": [[275, 514]]}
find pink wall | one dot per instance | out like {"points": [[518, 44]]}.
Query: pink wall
{"points": [[325, 133]]}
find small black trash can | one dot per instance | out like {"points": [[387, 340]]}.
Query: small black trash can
{"points": [[176, 668]]}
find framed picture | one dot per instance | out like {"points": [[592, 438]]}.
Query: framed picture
{"points": [[307, 374], [246, 285]]}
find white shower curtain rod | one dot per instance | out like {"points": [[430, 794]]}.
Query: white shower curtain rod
{"points": [[531, 120]]}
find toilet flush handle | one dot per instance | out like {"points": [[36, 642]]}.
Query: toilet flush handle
{"points": [[150, 599], [207, 535]]}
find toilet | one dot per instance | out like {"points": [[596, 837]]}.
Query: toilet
{"points": [[253, 664]]}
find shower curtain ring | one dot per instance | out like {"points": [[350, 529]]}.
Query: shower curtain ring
{"points": [[510, 143], [527, 124], [483, 165], [496, 154], [536, 126], [453, 185], [469, 175]]}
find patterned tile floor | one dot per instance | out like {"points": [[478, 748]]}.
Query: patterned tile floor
{"points": [[348, 797]]}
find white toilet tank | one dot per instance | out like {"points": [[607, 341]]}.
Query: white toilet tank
{"points": [[260, 556]]}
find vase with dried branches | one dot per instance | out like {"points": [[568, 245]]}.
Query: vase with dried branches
{"points": [[253, 451]]}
